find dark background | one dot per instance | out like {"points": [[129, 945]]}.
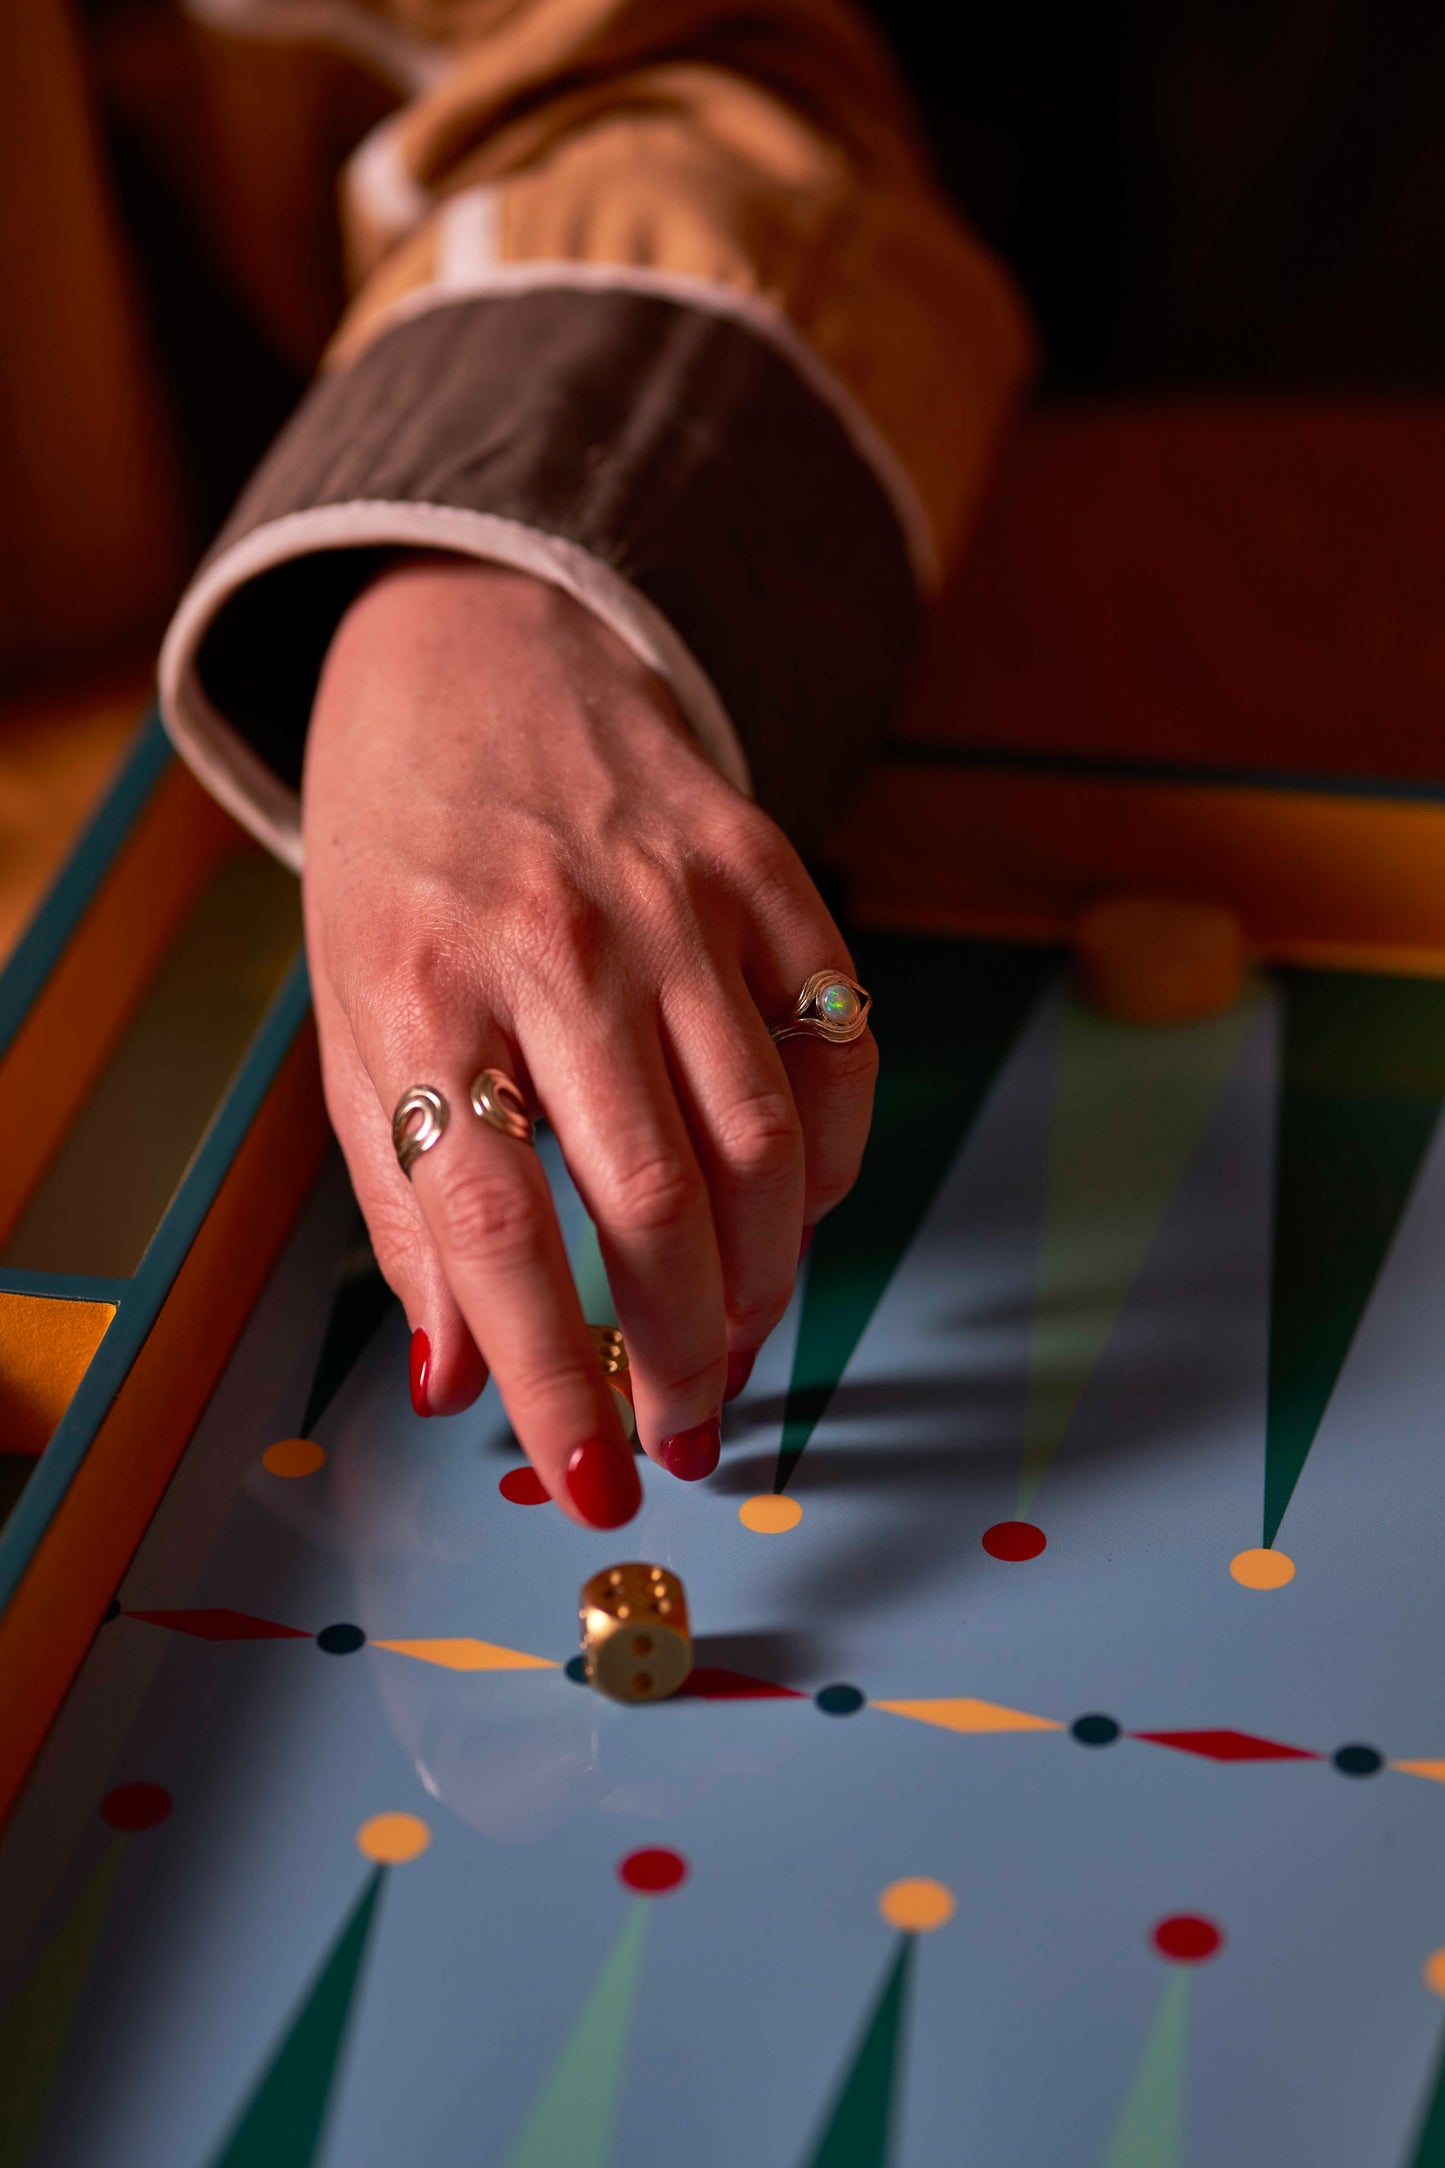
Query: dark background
{"points": [[1201, 194]]}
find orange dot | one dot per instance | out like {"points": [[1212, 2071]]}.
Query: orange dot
{"points": [[1159, 959], [393, 1839], [917, 1904], [1262, 1569], [768, 1515], [1433, 1972], [293, 1456]]}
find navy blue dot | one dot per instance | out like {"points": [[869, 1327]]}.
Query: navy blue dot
{"points": [[576, 1670], [1095, 1730], [341, 1640], [840, 1700], [1358, 1761]]}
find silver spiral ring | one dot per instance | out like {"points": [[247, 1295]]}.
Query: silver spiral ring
{"points": [[497, 1100], [421, 1116]]}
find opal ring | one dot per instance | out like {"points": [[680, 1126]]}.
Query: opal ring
{"points": [[421, 1116], [831, 1006], [497, 1100]]}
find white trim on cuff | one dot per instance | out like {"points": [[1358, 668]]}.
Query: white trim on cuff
{"points": [[243, 783]]}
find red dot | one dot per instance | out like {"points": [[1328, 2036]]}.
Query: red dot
{"points": [[136, 1806], [653, 1872], [524, 1487], [1014, 1540], [1187, 1938]]}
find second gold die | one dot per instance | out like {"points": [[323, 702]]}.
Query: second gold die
{"points": [[636, 1642]]}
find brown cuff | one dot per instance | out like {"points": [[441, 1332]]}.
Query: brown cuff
{"points": [[665, 463]]}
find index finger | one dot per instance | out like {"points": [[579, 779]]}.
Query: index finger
{"points": [[486, 1200]]}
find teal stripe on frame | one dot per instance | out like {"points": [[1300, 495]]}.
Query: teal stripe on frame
{"points": [[1199, 775], [64, 1286], [35, 954]]}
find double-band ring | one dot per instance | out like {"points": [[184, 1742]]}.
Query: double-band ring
{"points": [[421, 1116], [496, 1098], [830, 1006]]}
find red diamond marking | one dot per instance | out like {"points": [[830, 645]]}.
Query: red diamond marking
{"points": [[711, 1683], [221, 1625], [1227, 1745]]}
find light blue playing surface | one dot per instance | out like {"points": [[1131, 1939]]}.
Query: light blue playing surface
{"points": [[1077, 1335]]}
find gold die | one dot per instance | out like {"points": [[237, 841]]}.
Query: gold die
{"points": [[608, 1345], [635, 1633], [611, 1353]]}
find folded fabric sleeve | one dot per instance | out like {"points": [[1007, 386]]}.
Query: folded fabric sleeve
{"points": [[658, 303]]}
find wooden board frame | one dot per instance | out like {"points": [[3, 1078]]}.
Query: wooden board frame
{"points": [[67, 994]]}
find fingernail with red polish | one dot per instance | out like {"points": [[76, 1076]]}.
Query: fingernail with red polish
{"points": [[420, 1370], [808, 1234], [604, 1483], [692, 1454], [740, 1369]]}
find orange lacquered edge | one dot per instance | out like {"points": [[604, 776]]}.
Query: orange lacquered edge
{"points": [[1337, 882], [54, 1614], [103, 974]]}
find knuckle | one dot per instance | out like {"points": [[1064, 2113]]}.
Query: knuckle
{"points": [[426, 974], [549, 1397], [757, 845], [761, 1138], [652, 1195], [480, 1214], [684, 1382], [552, 927], [853, 1082]]}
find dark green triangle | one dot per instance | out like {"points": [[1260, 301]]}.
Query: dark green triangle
{"points": [[861, 2124], [360, 1302], [37, 2025], [1363, 1077], [281, 2124], [1430, 2145], [946, 1014]]}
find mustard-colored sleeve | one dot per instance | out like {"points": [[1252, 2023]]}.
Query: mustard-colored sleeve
{"points": [[656, 299]]}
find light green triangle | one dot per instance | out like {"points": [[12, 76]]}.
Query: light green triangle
{"points": [[1151, 2127], [36, 2027], [575, 2115], [282, 2124], [594, 1290], [1131, 1105]]}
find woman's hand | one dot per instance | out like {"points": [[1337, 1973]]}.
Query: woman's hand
{"points": [[517, 858]]}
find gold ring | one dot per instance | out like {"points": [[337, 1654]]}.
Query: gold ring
{"points": [[496, 1098], [831, 1006], [421, 1116]]}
